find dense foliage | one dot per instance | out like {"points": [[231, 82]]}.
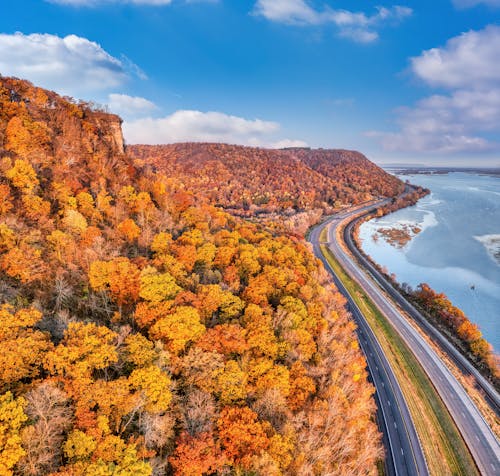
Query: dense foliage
{"points": [[262, 180], [144, 331], [470, 336]]}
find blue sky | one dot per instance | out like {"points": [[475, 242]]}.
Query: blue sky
{"points": [[412, 81]]}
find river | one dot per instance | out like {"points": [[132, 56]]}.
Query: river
{"points": [[454, 244]]}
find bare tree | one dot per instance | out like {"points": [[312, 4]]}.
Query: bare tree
{"points": [[199, 412], [49, 408], [158, 430]]}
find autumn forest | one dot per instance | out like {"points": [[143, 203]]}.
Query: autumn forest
{"points": [[161, 312]]}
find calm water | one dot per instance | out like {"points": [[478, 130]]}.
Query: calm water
{"points": [[456, 248]]}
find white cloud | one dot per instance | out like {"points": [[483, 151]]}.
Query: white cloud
{"points": [[288, 11], [357, 26], [471, 60], [446, 124], [71, 65], [282, 144], [467, 117], [359, 35], [473, 3], [130, 106], [196, 126]]}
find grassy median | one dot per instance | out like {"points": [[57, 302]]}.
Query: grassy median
{"points": [[443, 446]]}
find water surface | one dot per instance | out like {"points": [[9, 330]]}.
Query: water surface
{"points": [[458, 250]]}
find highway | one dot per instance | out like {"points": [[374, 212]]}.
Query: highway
{"points": [[492, 396], [404, 453]]}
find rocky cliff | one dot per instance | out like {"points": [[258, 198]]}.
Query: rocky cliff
{"points": [[58, 134]]}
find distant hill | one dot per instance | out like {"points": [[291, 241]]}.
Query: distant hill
{"points": [[237, 177]]}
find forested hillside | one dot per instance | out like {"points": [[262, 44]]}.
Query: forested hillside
{"points": [[254, 179], [145, 331]]}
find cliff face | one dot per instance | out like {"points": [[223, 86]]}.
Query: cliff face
{"points": [[58, 135]]}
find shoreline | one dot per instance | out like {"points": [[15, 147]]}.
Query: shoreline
{"points": [[491, 372]]}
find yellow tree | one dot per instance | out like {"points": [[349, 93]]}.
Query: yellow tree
{"points": [[26, 137], [214, 300], [106, 455], [263, 375], [63, 245], [23, 347], [12, 419], [156, 287], [139, 351], [231, 383], [154, 386], [86, 206], [35, 208], [7, 238], [74, 222], [119, 276], [161, 243], [22, 176], [106, 402], [84, 348], [260, 335], [178, 328]]}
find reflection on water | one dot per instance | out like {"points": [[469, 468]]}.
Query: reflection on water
{"points": [[456, 251]]}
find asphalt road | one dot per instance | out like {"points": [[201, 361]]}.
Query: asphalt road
{"points": [[492, 396], [404, 454], [478, 436]]}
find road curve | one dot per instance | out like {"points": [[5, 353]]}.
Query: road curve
{"points": [[477, 434], [460, 361], [404, 455]]}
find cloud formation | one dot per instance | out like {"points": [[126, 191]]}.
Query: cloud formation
{"points": [[189, 126], [446, 124], [283, 144], [130, 106], [71, 65], [294, 12], [470, 60], [467, 117], [357, 26]]}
